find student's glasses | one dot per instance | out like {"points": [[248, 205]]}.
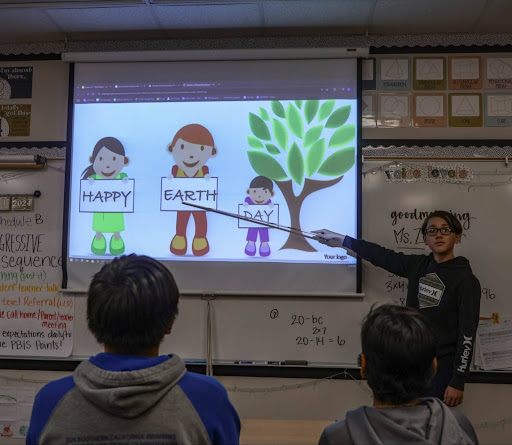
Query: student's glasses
{"points": [[433, 231]]}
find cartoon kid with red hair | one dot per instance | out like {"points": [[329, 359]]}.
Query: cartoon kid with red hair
{"points": [[191, 148]]}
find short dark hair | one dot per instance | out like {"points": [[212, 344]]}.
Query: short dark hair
{"points": [[450, 219], [262, 182], [399, 346], [131, 303]]}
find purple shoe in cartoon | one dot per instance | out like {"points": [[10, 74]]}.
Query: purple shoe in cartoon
{"points": [[264, 249], [250, 249]]}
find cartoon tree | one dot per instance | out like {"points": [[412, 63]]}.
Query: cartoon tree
{"points": [[294, 144]]}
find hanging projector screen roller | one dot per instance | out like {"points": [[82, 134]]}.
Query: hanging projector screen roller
{"points": [[272, 140]]}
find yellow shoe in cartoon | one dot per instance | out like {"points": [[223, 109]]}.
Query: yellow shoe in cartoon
{"points": [[99, 246], [116, 246], [179, 245], [200, 246]]}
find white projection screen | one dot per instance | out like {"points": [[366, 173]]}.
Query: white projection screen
{"points": [[272, 140]]}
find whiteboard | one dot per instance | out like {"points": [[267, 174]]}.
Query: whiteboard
{"points": [[325, 331]]}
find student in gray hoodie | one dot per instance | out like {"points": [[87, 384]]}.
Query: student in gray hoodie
{"points": [[130, 394], [398, 359]]}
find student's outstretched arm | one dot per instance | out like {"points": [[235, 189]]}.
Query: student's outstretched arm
{"points": [[394, 262], [468, 301]]}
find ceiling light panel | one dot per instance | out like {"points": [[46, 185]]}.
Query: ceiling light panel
{"points": [[200, 16], [344, 13], [425, 16], [103, 19]]}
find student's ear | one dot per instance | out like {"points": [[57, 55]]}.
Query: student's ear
{"points": [[272, 193], [169, 148], [91, 160], [169, 329], [425, 239], [434, 367], [214, 151], [126, 160], [364, 374], [458, 236], [248, 191]]}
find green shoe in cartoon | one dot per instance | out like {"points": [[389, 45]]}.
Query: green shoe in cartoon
{"points": [[116, 246], [99, 246]]}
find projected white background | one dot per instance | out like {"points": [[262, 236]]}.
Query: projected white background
{"points": [[146, 129]]}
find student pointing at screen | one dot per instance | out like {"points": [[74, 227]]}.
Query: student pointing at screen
{"points": [[442, 286]]}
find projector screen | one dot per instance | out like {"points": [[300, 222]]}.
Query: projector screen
{"points": [[271, 140]]}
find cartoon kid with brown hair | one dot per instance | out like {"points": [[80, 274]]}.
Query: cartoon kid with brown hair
{"points": [[191, 148]]}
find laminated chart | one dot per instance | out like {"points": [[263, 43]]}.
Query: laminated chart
{"points": [[465, 109], [394, 110], [498, 110]]}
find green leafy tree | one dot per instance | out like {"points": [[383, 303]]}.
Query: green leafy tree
{"points": [[299, 140]]}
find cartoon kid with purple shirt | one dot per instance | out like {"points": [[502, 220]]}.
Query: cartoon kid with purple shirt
{"points": [[260, 191]]}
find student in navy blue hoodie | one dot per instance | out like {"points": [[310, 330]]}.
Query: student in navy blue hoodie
{"points": [[130, 393], [442, 286]]}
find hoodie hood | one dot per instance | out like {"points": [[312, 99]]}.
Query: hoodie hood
{"points": [[459, 262], [127, 394], [429, 422]]}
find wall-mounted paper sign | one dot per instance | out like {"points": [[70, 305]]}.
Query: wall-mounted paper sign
{"points": [[498, 72], [429, 110], [369, 74], [5, 203], [107, 195], [22, 203], [465, 73], [200, 191], [498, 110], [394, 110], [394, 73], [16, 82], [369, 110], [15, 120], [465, 109], [262, 213], [429, 73]]}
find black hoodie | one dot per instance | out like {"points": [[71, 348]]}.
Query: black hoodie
{"points": [[447, 293], [430, 422]]}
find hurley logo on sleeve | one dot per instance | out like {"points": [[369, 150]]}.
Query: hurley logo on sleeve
{"points": [[465, 354]]}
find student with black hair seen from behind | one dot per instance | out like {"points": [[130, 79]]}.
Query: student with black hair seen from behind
{"points": [[442, 286], [130, 393], [398, 360]]}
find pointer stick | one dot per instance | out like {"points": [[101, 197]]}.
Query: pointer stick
{"points": [[255, 221]]}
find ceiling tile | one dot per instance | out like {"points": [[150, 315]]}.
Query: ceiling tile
{"points": [[202, 16], [350, 14], [103, 19], [497, 18], [425, 16], [24, 25]]}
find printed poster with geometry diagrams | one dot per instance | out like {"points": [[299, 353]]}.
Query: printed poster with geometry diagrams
{"points": [[394, 110], [429, 73], [429, 110], [498, 110], [498, 72], [465, 109], [465, 73], [394, 74], [369, 110], [368, 74]]}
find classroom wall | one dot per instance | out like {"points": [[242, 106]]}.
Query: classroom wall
{"points": [[486, 405]]}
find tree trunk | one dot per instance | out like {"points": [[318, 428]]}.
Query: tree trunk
{"points": [[297, 241]]}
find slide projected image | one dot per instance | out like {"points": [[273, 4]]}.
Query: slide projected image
{"points": [[269, 150], [286, 162]]}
